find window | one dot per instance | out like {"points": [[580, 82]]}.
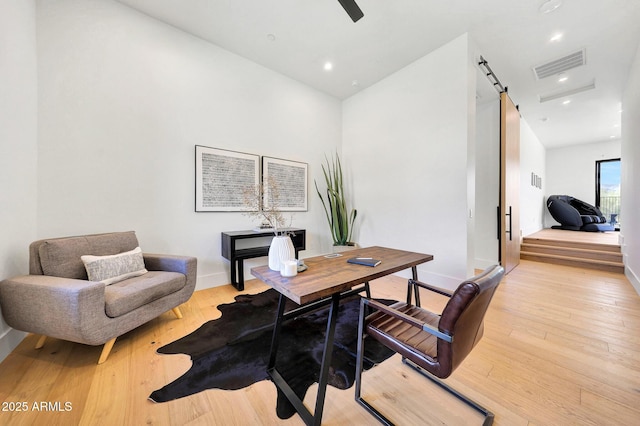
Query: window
{"points": [[608, 188]]}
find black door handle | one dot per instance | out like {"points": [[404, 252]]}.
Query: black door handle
{"points": [[509, 231]]}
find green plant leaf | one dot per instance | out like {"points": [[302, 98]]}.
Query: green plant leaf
{"points": [[340, 221]]}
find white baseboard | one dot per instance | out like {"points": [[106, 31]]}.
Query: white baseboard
{"points": [[211, 280], [633, 278], [484, 263], [9, 341]]}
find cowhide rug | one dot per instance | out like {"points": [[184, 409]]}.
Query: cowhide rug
{"points": [[232, 352]]}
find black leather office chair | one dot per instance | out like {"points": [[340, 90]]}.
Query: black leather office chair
{"points": [[435, 345]]}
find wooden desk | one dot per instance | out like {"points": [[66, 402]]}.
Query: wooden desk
{"points": [[327, 277]]}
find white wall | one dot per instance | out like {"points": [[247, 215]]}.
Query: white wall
{"points": [[405, 143], [630, 185], [487, 184], [571, 170], [18, 146], [123, 101], [532, 199]]}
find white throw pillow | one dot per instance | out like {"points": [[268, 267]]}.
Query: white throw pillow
{"points": [[114, 268]]}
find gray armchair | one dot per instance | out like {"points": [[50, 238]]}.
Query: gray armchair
{"points": [[57, 299]]}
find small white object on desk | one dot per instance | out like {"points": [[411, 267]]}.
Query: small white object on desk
{"points": [[332, 255], [289, 268]]}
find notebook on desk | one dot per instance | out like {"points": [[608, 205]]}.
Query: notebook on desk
{"points": [[366, 261]]}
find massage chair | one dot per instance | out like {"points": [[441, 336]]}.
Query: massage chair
{"points": [[576, 215]]}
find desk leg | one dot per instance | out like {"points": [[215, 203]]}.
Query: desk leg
{"points": [[275, 337], [413, 288], [367, 290], [326, 358], [414, 274], [305, 414]]}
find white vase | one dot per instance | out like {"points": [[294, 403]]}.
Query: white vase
{"points": [[281, 249]]}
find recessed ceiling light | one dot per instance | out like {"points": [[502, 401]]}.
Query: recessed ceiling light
{"points": [[550, 5], [328, 66], [566, 102], [562, 79], [556, 37], [271, 37]]}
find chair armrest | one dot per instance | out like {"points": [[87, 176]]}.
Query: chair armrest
{"points": [[186, 265], [49, 285], [52, 306], [430, 287], [170, 263], [405, 318]]}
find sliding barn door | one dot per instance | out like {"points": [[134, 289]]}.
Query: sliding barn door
{"points": [[509, 183]]}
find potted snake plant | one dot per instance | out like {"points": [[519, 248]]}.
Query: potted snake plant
{"points": [[339, 217]]}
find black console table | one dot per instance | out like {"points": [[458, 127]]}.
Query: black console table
{"points": [[237, 256]]}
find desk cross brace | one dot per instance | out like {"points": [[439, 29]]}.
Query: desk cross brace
{"points": [[279, 381]]}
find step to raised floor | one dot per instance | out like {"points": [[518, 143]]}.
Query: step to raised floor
{"points": [[590, 255], [600, 265], [563, 251]]}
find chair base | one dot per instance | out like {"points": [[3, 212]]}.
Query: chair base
{"points": [[488, 415], [372, 410]]}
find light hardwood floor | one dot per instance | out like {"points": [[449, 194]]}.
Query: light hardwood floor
{"points": [[561, 347]]}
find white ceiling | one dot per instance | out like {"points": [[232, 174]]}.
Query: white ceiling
{"points": [[296, 37]]}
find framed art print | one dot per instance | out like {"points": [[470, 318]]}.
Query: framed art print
{"points": [[290, 178], [221, 178]]}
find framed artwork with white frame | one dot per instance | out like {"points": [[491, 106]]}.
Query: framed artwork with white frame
{"points": [[222, 176], [290, 177]]}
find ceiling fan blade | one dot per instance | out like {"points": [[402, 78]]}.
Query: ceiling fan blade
{"points": [[352, 9]]}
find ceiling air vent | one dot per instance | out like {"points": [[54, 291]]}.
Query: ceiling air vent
{"points": [[565, 63], [567, 93]]}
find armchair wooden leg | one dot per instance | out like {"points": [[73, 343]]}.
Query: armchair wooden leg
{"points": [[106, 350], [41, 341], [177, 312]]}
